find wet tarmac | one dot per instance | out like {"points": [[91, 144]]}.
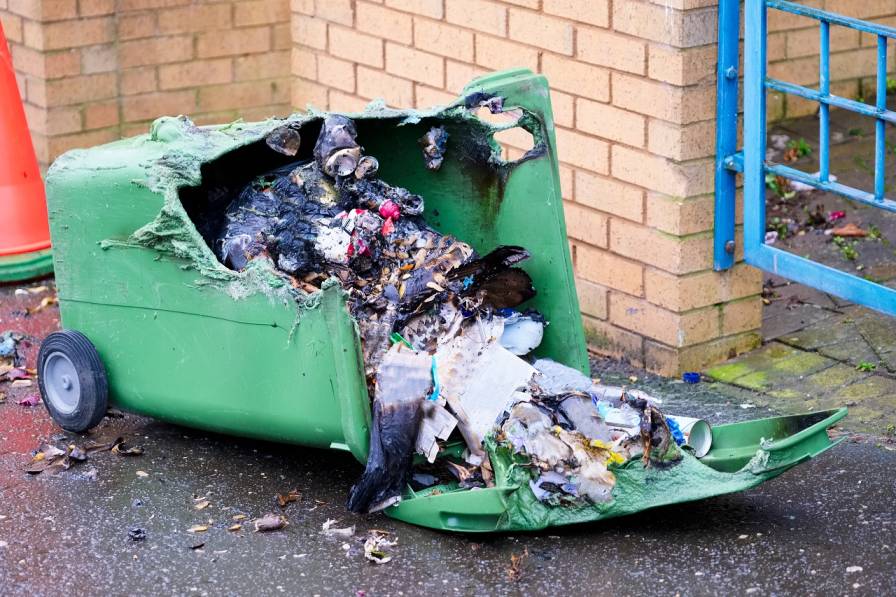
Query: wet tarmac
{"points": [[804, 532], [824, 527]]}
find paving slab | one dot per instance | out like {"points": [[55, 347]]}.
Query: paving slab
{"points": [[791, 380], [774, 366], [836, 338], [879, 332]]}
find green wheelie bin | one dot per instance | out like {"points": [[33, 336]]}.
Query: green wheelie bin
{"points": [[155, 324]]}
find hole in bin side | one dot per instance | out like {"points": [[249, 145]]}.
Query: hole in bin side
{"points": [[463, 198]]}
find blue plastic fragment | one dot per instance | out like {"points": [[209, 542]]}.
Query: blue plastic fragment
{"points": [[7, 345], [677, 435], [467, 282], [436, 386], [603, 409], [691, 377]]}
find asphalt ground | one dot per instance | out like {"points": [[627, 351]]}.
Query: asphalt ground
{"points": [[825, 527]]}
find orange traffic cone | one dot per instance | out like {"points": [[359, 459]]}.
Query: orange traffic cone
{"points": [[24, 233]]}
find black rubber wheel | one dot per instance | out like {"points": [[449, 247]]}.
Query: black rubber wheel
{"points": [[72, 380]]}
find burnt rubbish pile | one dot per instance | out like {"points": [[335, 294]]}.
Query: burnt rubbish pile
{"points": [[445, 338]]}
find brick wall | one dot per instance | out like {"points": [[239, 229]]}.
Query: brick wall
{"points": [[793, 53], [91, 71], [633, 89]]}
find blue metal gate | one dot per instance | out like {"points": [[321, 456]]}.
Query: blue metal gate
{"points": [[751, 160]]}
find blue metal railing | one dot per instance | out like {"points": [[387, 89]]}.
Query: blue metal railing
{"points": [[751, 161]]}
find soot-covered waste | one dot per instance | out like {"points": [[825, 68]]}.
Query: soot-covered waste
{"points": [[443, 343]]}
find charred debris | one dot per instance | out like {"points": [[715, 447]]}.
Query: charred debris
{"points": [[445, 331]]}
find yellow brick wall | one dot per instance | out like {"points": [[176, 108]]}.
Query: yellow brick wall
{"points": [[633, 89], [91, 71]]}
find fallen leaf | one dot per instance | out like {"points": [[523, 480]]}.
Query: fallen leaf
{"points": [[21, 383], [2, 397], [270, 522], [122, 449], [849, 231], [516, 565], [45, 456], [235, 527], [202, 505], [44, 303], [198, 528], [32, 400], [59, 465], [198, 545], [240, 517], [142, 474], [37, 468], [97, 446], [285, 499], [461, 472]]}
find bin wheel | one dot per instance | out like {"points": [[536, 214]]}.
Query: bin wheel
{"points": [[72, 380]]}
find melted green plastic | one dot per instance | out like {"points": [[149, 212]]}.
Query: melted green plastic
{"points": [[743, 456]]}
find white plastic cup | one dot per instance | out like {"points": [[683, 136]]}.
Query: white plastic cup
{"points": [[697, 434]]}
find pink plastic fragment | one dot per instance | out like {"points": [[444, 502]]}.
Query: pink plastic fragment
{"points": [[388, 227], [390, 210], [17, 373], [833, 216]]}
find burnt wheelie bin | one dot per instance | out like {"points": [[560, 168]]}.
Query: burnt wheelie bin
{"points": [[155, 324]]}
